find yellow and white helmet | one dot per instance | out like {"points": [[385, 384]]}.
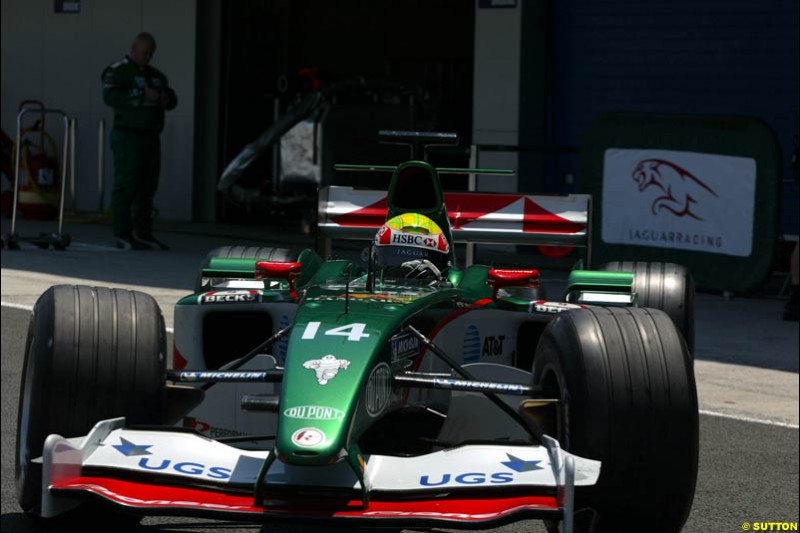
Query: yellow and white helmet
{"points": [[411, 245]]}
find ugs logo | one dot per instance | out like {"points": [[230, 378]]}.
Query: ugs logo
{"points": [[190, 468], [516, 464], [680, 189], [469, 478], [131, 449]]}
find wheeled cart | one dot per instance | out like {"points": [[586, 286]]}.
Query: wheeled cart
{"points": [[56, 239]]}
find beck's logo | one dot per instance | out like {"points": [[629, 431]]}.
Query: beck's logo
{"points": [[229, 297], [543, 306], [679, 188], [326, 368]]}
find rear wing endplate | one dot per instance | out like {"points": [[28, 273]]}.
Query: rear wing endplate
{"points": [[475, 217]]}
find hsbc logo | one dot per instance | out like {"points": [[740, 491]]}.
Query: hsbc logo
{"points": [[424, 241], [387, 236]]}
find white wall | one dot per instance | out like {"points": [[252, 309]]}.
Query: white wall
{"points": [[495, 113], [59, 58]]}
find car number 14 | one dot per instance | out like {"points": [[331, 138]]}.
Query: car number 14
{"points": [[353, 332]]}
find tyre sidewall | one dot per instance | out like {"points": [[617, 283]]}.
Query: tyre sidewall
{"points": [[32, 419]]}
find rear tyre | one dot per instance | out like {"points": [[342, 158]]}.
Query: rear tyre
{"points": [[265, 253], [91, 354], [628, 399], [665, 286]]}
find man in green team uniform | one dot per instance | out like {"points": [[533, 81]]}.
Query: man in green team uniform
{"points": [[139, 95]]}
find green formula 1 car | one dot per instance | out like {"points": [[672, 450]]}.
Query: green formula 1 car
{"points": [[402, 390]]}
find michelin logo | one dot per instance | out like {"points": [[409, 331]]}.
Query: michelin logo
{"points": [[326, 368]]}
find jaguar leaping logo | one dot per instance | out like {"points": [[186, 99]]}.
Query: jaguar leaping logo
{"points": [[326, 368], [680, 189]]}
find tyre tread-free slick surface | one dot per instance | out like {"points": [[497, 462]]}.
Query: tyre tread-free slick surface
{"points": [[665, 286], [91, 354], [628, 398]]}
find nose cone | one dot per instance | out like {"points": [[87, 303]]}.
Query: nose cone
{"points": [[322, 381], [329, 361], [319, 394], [311, 445]]}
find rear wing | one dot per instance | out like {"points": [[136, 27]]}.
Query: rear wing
{"points": [[475, 217]]}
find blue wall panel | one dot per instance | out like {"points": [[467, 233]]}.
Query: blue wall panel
{"points": [[676, 56]]}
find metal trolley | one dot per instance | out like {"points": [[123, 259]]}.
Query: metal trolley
{"points": [[56, 239]]}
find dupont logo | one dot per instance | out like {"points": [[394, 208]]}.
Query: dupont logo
{"points": [[676, 190], [314, 412], [379, 390]]}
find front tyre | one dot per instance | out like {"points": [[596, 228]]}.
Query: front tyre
{"points": [[91, 354], [626, 383]]}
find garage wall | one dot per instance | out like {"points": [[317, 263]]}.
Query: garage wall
{"points": [[59, 58], [726, 57], [496, 83]]}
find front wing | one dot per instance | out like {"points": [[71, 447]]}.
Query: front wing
{"points": [[179, 473]]}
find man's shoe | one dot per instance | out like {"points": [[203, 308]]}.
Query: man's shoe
{"points": [[129, 242], [149, 240]]}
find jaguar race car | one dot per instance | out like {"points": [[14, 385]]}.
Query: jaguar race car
{"points": [[405, 389]]}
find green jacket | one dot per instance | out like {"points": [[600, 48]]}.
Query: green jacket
{"points": [[123, 89]]}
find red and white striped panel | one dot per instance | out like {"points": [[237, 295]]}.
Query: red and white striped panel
{"points": [[151, 498], [347, 213]]}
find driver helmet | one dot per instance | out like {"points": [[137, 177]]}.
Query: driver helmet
{"points": [[411, 246]]}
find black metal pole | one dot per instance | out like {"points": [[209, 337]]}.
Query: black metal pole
{"points": [[517, 389], [457, 367]]}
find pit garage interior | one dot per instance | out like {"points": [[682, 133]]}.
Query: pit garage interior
{"points": [[394, 68], [523, 80]]}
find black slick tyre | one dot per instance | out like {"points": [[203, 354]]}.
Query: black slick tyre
{"points": [[665, 286], [91, 354], [628, 399], [265, 253]]}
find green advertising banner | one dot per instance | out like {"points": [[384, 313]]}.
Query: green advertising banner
{"points": [[701, 191]]}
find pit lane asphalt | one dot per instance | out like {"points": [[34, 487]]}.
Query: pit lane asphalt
{"points": [[747, 367]]}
